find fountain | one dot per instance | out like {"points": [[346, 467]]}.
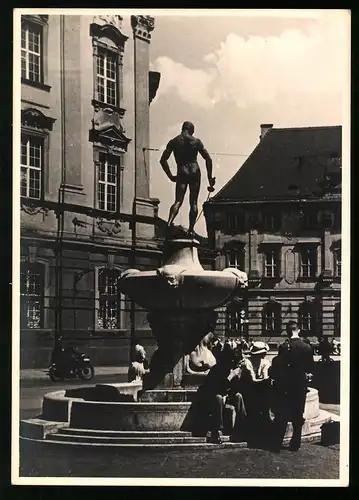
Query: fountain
{"points": [[181, 298]]}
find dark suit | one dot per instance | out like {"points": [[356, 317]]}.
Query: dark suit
{"points": [[289, 369]]}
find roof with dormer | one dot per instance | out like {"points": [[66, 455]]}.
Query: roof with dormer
{"points": [[287, 163]]}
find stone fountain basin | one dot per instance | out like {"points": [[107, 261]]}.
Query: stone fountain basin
{"points": [[82, 408], [196, 290]]}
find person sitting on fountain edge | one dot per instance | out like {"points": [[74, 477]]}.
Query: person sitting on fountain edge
{"points": [[139, 364], [185, 148], [221, 387]]}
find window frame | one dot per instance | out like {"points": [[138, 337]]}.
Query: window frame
{"points": [[239, 257], [273, 308], [309, 311], [119, 297], [24, 300], [97, 161], [309, 252], [272, 251], [107, 52], [43, 139], [38, 23]]}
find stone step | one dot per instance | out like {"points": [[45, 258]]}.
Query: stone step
{"points": [[50, 441], [127, 434], [81, 438]]}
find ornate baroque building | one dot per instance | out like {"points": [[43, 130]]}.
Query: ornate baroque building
{"points": [[86, 91], [279, 219]]}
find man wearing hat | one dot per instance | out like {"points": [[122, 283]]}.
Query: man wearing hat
{"points": [[291, 371]]}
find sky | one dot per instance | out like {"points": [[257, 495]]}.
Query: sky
{"points": [[229, 73]]}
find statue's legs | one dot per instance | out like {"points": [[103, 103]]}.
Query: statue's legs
{"points": [[193, 198], [181, 188]]}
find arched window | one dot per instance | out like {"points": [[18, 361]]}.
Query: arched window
{"points": [[309, 318], [109, 301], [235, 317], [272, 317], [32, 279]]}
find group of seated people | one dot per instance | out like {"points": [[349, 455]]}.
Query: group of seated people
{"points": [[241, 392], [238, 383]]}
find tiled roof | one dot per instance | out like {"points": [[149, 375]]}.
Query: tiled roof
{"points": [[287, 162]]}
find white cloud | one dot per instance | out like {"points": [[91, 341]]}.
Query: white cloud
{"points": [[261, 70]]}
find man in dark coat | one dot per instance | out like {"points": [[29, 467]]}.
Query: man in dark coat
{"points": [[222, 386], [290, 372]]}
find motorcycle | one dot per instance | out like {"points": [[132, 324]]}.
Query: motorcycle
{"points": [[70, 363]]}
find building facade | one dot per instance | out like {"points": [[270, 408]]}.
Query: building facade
{"points": [[279, 220]]}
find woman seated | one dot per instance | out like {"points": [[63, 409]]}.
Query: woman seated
{"points": [[255, 388]]}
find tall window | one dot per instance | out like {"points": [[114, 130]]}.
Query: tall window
{"points": [[309, 318], [109, 305], [32, 295], [108, 177], [236, 316], [107, 77], [31, 166], [235, 258], [271, 263], [337, 262], [308, 260], [31, 52], [272, 317]]}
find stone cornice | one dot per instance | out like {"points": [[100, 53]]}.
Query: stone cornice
{"points": [[142, 27], [109, 27], [35, 118]]}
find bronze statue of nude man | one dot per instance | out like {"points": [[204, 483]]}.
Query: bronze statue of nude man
{"points": [[185, 148]]}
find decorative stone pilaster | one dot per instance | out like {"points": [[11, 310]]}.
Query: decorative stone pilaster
{"points": [[142, 27]]}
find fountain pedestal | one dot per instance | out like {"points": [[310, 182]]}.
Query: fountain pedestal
{"points": [[181, 298]]}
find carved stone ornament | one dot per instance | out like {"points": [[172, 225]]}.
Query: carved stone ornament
{"points": [[110, 136], [108, 27], [33, 210], [143, 26], [172, 274], [34, 118], [109, 20], [109, 227]]}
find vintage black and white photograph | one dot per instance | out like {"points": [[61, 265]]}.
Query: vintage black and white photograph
{"points": [[181, 214]]}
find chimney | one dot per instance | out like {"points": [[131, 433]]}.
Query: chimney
{"points": [[265, 127]]}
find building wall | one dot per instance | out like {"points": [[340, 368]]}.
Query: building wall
{"points": [[289, 290], [65, 234]]}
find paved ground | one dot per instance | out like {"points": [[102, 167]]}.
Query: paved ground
{"points": [[108, 371], [312, 461]]}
